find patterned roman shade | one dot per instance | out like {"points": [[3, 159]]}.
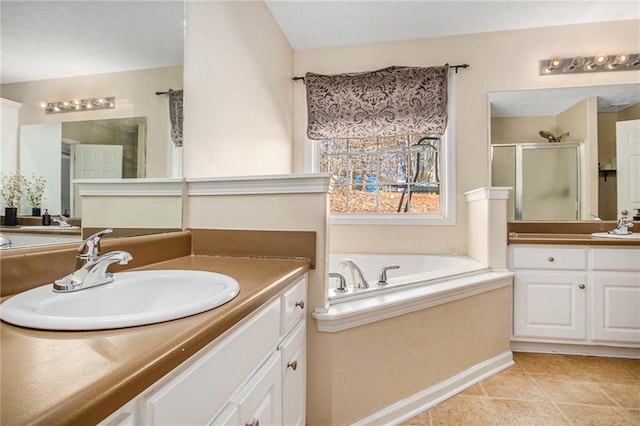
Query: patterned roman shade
{"points": [[388, 102]]}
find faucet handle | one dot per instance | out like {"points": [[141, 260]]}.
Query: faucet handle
{"points": [[90, 248], [342, 283], [382, 276]]}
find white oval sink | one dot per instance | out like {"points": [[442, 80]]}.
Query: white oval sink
{"points": [[616, 236], [134, 298], [49, 228]]}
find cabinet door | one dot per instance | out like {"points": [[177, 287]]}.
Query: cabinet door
{"points": [[550, 305], [260, 400], [294, 376], [615, 307], [124, 416]]}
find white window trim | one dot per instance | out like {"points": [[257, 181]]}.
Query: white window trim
{"points": [[447, 214]]}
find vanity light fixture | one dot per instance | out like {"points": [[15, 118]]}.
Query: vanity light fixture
{"points": [[586, 64], [75, 105]]}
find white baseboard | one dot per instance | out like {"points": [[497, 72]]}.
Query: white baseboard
{"points": [[422, 401], [575, 349]]}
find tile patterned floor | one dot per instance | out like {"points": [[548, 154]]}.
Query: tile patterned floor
{"points": [[544, 389]]}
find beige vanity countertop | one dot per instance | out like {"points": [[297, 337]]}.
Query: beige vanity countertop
{"points": [[53, 230], [568, 239], [56, 377]]}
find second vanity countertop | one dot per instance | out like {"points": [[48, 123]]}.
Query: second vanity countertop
{"points": [[567, 232], [81, 377], [569, 239]]}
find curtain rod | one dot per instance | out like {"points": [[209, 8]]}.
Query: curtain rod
{"points": [[162, 93], [455, 67]]}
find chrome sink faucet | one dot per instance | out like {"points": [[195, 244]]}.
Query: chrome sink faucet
{"points": [[358, 279], [93, 273], [89, 249], [91, 268], [62, 222], [623, 225]]}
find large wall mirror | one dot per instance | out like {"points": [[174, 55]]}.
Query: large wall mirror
{"points": [[60, 51], [560, 151]]}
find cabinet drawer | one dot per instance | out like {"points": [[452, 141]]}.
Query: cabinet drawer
{"points": [[615, 259], [549, 257], [294, 305], [216, 372]]}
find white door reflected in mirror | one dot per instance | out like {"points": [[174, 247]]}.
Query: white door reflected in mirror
{"points": [[628, 165]]}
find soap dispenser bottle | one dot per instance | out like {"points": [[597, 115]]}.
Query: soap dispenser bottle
{"points": [[46, 218]]}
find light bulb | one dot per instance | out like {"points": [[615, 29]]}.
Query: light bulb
{"points": [[590, 66], [621, 59], [555, 63], [601, 59], [43, 104], [611, 66]]}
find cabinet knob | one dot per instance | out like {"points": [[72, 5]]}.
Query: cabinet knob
{"points": [[293, 365], [254, 422], [581, 286], [300, 304], [550, 259]]}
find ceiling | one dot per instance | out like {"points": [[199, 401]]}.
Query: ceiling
{"points": [[52, 39], [543, 102], [320, 24]]}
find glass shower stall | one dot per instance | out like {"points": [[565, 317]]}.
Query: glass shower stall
{"points": [[545, 177]]}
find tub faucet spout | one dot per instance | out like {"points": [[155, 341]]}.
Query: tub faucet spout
{"points": [[358, 279]]}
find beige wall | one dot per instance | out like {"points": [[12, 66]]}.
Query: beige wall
{"points": [[521, 129], [135, 97], [498, 61], [238, 88], [164, 212]]}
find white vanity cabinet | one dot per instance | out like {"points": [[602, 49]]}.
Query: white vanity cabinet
{"points": [[255, 374], [587, 295], [550, 292], [615, 288]]}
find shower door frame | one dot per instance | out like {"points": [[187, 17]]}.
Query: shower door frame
{"points": [[519, 176]]}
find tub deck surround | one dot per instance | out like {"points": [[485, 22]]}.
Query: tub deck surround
{"points": [[414, 270], [350, 313], [570, 233], [81, 377]]}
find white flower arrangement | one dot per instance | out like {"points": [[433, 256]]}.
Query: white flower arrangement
{"points": [[12, 189], [35, 190]]}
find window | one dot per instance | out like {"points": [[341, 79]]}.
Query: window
{"points": [[384, 175], [401, 180]]}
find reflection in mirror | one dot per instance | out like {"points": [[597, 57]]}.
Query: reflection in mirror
{"points": [[586, 117], [90, 149], [129, 50]]}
